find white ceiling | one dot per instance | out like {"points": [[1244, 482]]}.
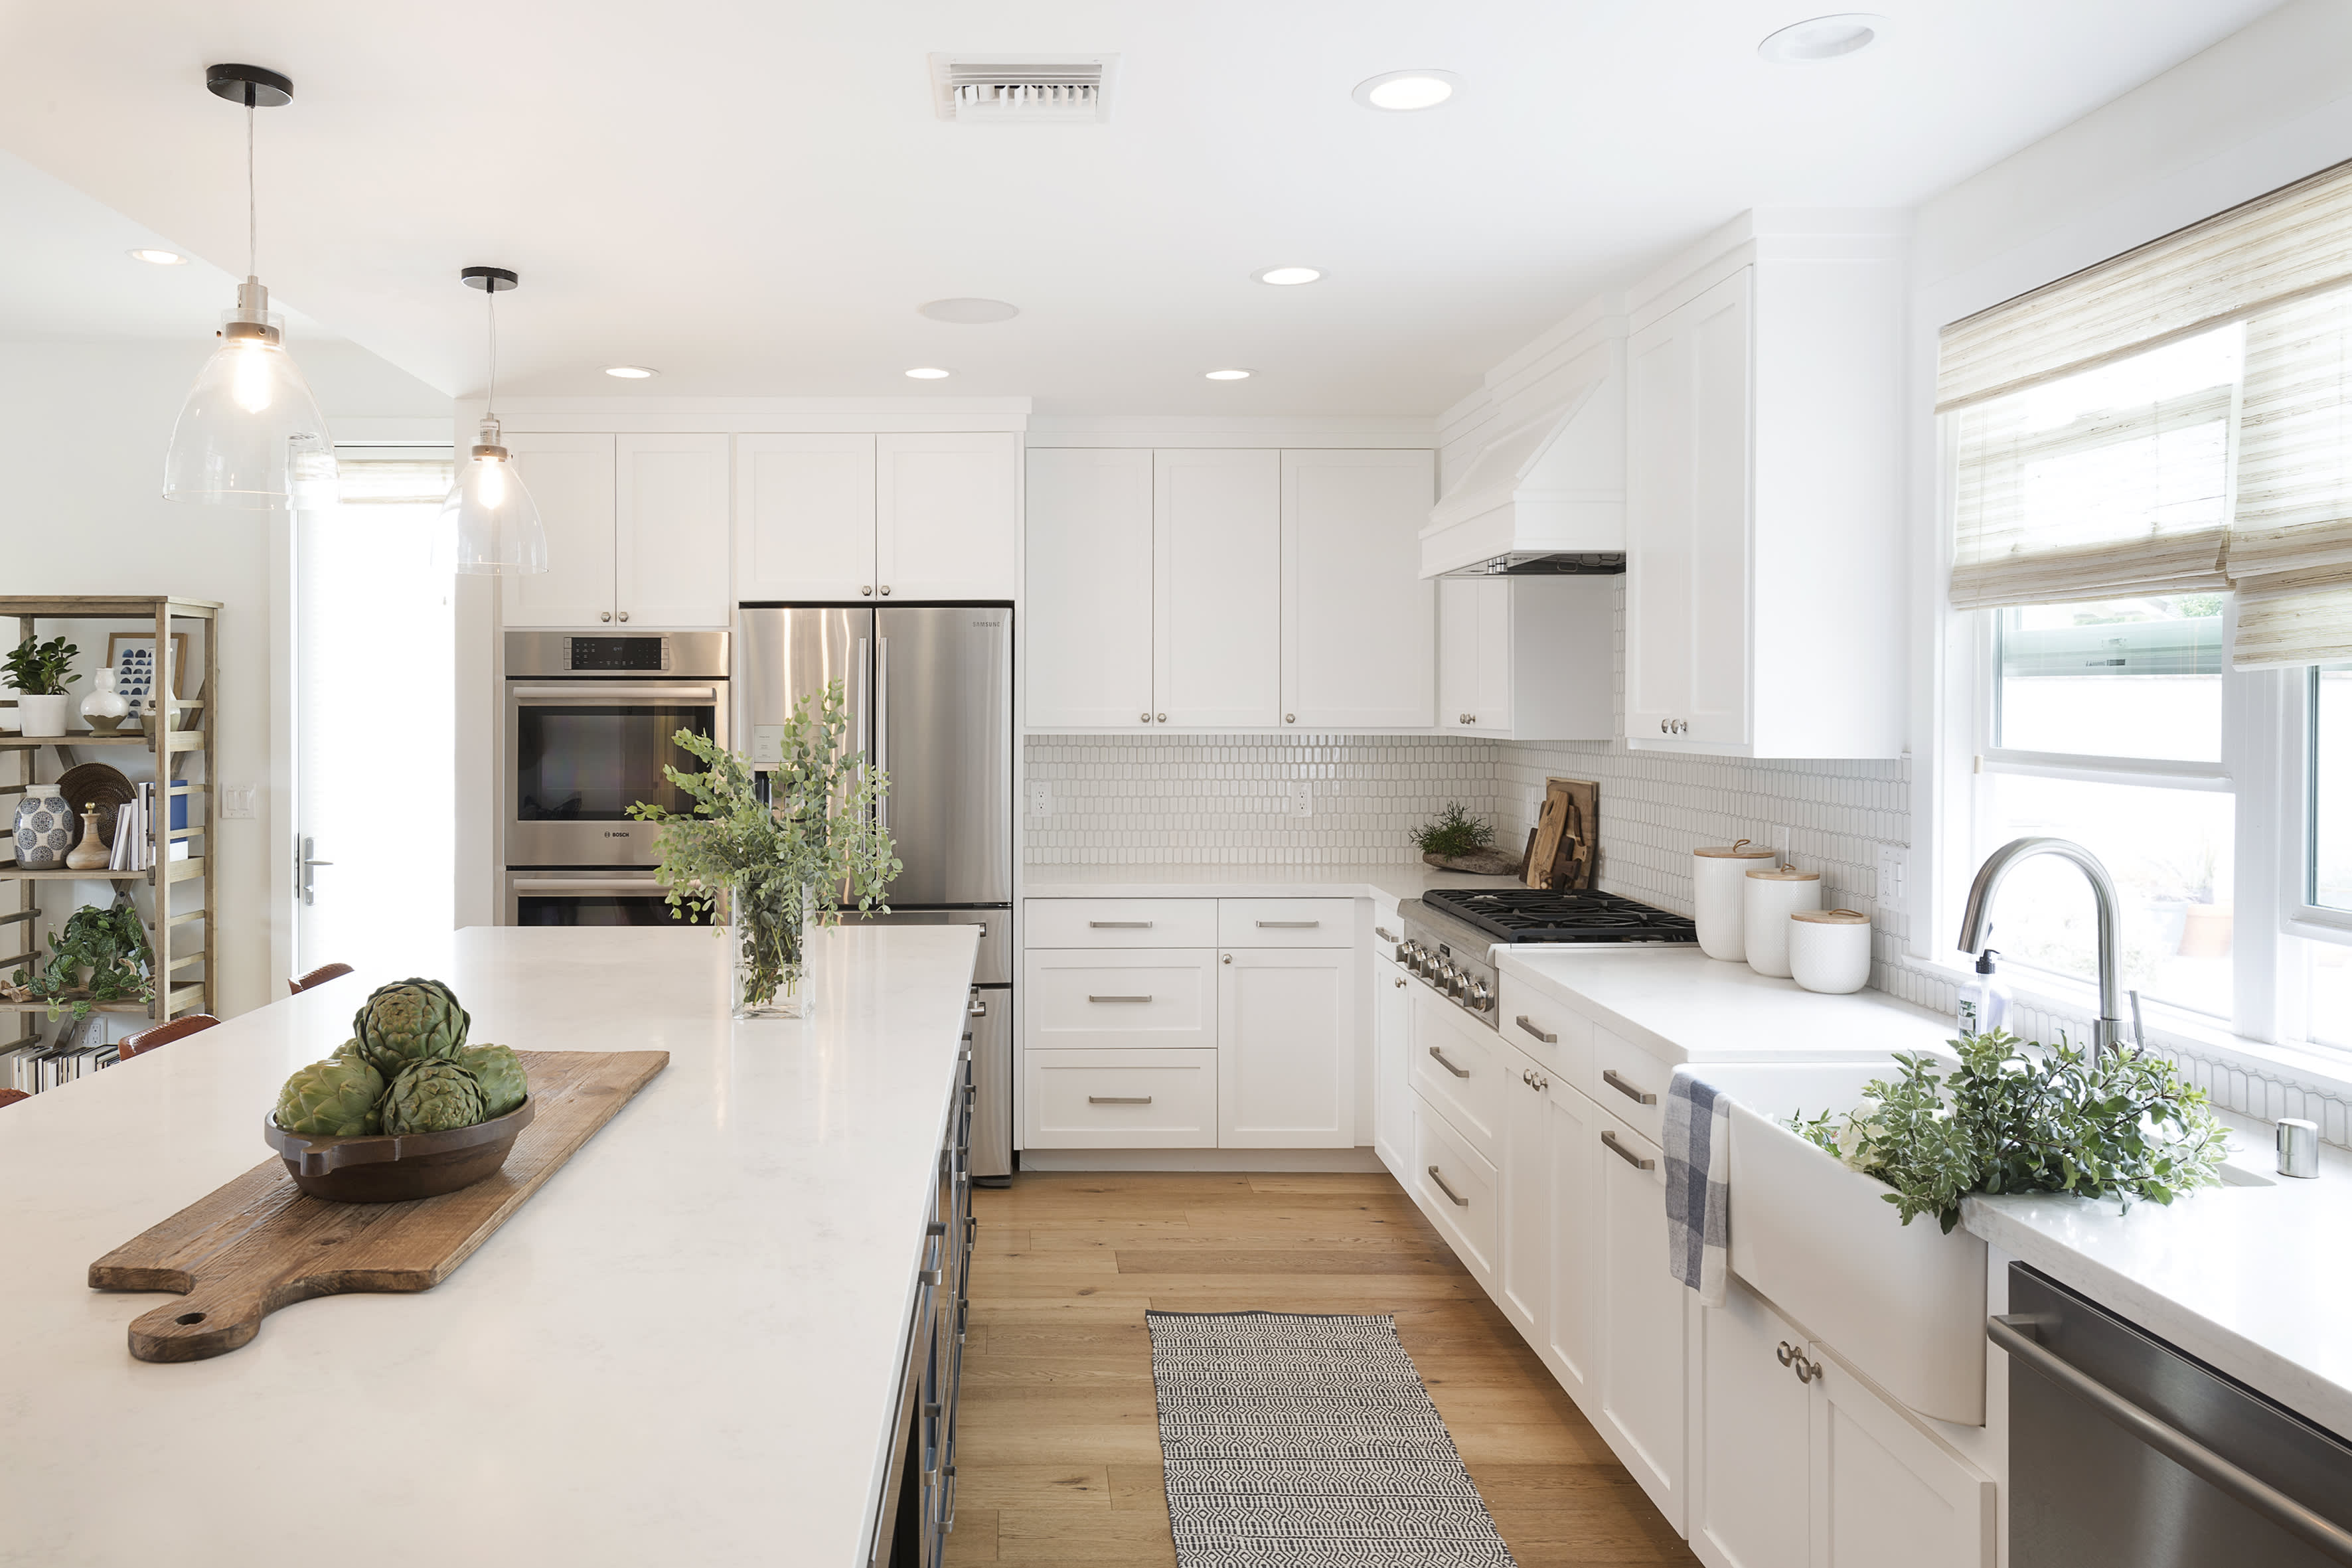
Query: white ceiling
{"points": [[753, 195]]}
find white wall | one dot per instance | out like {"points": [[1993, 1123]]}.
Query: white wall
{"points": [[83, 426]]}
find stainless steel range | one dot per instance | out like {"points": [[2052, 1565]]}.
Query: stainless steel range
{"points": [[1449, 932]]}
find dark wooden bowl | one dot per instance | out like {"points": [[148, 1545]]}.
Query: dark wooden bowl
{"points": [[386, 1168]]}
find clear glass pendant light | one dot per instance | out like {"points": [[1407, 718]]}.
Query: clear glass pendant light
{"points": [[251, 434], [489, 522]]}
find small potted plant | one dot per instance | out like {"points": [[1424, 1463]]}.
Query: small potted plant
{"points": [[40, 671], [787, 848], [1457, 841]]}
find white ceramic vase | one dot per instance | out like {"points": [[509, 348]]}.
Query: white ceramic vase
{"points": [[104, 708], [43, 715], [1829, 949], [1773, 894], [44, 828], [1719, 897]]}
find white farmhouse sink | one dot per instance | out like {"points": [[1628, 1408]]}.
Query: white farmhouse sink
{"points": [[1903, 1304]]}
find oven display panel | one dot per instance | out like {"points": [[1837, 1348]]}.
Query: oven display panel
{"points": [[637, 656]]}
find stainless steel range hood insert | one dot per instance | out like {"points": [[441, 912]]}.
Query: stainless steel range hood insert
{"points": [[1548, 495]]}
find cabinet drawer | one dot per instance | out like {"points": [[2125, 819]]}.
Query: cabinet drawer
{"points": [[1629, 1082], [1457, 1067], [1286, 922], [1119, 1099], [1080, 999], [1119, 922], [1455, 1187], [1559, 1038]]}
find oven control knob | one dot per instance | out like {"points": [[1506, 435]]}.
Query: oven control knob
{"points": [[1480, 999]]}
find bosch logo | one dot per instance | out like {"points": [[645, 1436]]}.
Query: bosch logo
{"points": [[623, 834]]}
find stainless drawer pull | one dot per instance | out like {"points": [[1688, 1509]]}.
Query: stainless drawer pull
{"points": [[2015, 1335], [1118, 1099], [1384, 934], [1449, 1067], [1528, 1025], [1626, 1155], [1459, 1201], [1118, 925], [1638, 1096], [1119, 998], [1288, 925]]}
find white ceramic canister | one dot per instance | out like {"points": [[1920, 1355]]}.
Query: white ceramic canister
{"points": [[1774, 893], [1829, 949], [1719, 897]]}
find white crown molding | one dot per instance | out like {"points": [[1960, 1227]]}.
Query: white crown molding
{"points": [[1225, 430]]}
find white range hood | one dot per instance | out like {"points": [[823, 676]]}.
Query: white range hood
{"points": [[1547, 495]]}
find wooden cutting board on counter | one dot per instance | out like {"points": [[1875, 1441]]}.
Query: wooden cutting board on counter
{"points": [[258, 1245]]}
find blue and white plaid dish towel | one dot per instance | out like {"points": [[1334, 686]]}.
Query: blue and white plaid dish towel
{"points": [[1698, 1185]]}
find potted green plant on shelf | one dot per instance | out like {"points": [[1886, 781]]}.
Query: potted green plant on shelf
{"points": [[40, 671], [98, 955], [786, 847]]}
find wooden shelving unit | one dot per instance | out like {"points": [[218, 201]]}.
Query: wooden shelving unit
{"points": [[172, 748]]}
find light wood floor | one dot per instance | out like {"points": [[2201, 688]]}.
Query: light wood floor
{"points": [[1058, 1460]]}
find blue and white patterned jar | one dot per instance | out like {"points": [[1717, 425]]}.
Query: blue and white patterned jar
{"points": [[44, 828]]}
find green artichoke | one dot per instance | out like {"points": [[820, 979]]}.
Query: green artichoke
{"points": [[338, 1096], [409, 1021], [432, 1095], [500, 1072]]}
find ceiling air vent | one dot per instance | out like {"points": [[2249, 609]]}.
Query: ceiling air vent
{"points": [[1023, 90]]}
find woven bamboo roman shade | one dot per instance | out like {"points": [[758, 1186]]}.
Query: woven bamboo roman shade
{"points": [[2095, 421]]}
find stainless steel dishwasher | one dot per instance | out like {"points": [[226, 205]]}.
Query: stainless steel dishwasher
{"points": [[2124, 1452]]}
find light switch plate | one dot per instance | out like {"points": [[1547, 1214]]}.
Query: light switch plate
{"points": [[1041, 798], [237, 803], [767, 744], [1890, 874]]}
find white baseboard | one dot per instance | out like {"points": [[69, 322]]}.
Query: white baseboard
{"points": [[1287, 1159]]}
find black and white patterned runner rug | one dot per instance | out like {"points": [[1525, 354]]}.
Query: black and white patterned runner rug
{"points": [[1296, 1441]]}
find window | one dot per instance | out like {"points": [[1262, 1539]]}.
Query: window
{"points": [[2125, 677], [2327, 868]]}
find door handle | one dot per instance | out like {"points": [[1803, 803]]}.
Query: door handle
{"points": [[1145, 998], [882, 724], [1118, 925], [1538, 1034], [302, 868], [1289, 925], [1623, 1152], [1638, 1096], [1449, 1067], [1459, 1201], [1118, 1099]]}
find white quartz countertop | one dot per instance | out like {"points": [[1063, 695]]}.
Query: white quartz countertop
{"points": [[1375, 882], [1681, 1005], [685, 1348]]}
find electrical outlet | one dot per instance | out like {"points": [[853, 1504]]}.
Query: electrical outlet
{"points": [[1781, 841], [1302, 798], [237, 803], [1890, 874], [1532, 806], [1041, 798]]}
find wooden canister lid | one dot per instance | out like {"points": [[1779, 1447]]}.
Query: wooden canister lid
{"points": [[1743, 850], [1833, 917], [1783, 874]]}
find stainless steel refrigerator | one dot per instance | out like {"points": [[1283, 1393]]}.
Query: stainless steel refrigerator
{"points": [[930, 688]]}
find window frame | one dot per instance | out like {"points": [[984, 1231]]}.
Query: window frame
{"points": [[2300, 765]]}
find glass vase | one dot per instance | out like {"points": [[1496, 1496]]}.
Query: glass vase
{"points": [[768, 927]]}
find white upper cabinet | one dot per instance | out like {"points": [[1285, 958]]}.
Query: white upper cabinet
{"points": [[1764, 521], [804, 517], [1217, 603], [1090, 567], [669, 537], [571, 480], [947, 516], [1357, 621], [1527, 658]]}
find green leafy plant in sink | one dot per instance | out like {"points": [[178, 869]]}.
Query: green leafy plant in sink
{"points": [[108, 946], [2011, 1118], [41, 668], [1454, 833]]}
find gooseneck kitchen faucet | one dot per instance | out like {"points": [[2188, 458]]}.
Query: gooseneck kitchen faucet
{"points": [[1976, 924]]}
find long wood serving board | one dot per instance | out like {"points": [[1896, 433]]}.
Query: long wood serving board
{"points": [[258, 1244]]}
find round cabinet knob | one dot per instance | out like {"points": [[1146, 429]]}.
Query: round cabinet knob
{"points": [[1290, 718], [886, 590], [867, 589], [1400, 985], [1470, 718], [1229, 958], [1666, 726], [1145, 717], [1160, 717], [624, 614], [608, 614]]}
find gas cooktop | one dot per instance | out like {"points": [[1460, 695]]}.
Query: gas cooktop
{"points": [[1532, 914]]}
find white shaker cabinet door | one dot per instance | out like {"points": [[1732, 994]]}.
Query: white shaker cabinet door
{"points": [[1884, 1492], [1391, 1066], [1640, 1350], [1751, 1470], [1457, 652], [1491, 706], [670, 531], [1573, 1149], [571, 480], [1286, 1048], [1216, 621], [948, 516], [805, 517], [1524, 1277], [1358, 621], [1088, 606]]}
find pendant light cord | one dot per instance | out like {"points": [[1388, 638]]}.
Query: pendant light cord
{"points": [[252, 202], [491, 400]]}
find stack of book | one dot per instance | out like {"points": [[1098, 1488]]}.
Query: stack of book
{"points": [[37, 1068], [134, 833]]}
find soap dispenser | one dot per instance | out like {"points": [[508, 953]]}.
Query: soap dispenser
{"points": [[1984, 1001]]}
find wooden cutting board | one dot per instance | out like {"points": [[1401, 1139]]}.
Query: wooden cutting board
{"points": [[258, 1244]]}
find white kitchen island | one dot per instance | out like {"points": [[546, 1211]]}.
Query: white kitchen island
{"points": [[686, 1348]]}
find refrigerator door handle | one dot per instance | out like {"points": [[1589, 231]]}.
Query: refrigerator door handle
{"points": [[882, 722], [864, 707]]}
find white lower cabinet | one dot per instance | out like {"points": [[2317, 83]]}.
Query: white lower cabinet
{"points": [[1523, 1284], [1391, 1015], [1456, 1187], [1120, 1099], [1101, 998], [1567, 1340], [1884, 1492], [1286, 1048], [1639, 1402], [1458, 1065]]}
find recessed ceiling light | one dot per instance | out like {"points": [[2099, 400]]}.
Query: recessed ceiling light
{"points": [[929, 373], [160, 257], [969, 313], [1823, 39], [1286, 277], [1228, 375], [628, 372], [1403, 93]]}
